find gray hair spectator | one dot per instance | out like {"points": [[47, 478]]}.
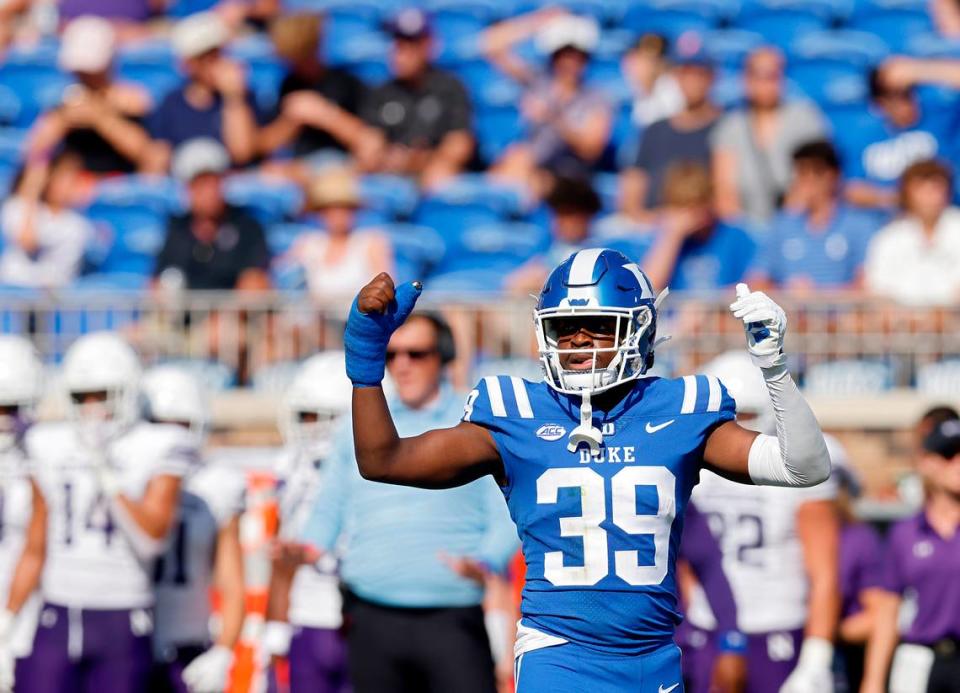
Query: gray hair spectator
{"points": [[568, 123], [915, 259], [682, 137], [43, 237], [752, 146], [214, 245], [422, 118], [339, 260], [214, 103], [318, 105], [100, 119]]}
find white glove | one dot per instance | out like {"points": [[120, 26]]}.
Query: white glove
{"points": [[813, 671], [7, 661], [276, 638], [764, 323], [208, 673]]}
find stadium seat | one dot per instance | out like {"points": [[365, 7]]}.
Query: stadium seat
{"points": [[896, 27], [941, 379], [840, 45], [489, 86], [213, 376], [494, 249], [110, 281], [32, 89], [781, 27], [496, 128], [828, 11], [830, 81], [393, 196], [13, 142], [728, 47], [161, 195], [848, 377], [281, 236], [358, 49], [184, 8], [472, 189], [640, 18], [932, 45], [269, 199], [416, 250], [127, 240], [607, 186]]}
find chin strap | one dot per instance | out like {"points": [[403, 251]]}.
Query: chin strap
{"points": [[586, 432]]}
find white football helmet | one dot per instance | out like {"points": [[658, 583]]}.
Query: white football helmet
{"points": [[172, 395], [745, 383], [320, 387], [21, 386], [102, 362]]}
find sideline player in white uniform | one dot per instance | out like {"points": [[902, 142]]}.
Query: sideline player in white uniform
{"points": [[305, 604], [780, 548], [105, 491], [203, 551], [21, 386]]}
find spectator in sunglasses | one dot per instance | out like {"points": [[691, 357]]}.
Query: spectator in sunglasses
{"points": [[905, 125]]}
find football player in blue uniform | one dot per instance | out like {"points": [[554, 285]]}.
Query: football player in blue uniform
{"points": [[596, 462]]}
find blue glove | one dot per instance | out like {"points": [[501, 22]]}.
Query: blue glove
{"points": [[365, 339]]}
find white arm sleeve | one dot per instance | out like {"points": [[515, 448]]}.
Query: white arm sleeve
{"points": [[798, 455]]}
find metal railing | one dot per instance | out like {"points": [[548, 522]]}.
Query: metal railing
{"points": [[248, 332]]}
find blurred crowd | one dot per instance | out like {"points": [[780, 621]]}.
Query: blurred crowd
{"points": [[310, 145]]}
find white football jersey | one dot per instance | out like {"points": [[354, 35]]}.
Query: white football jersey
{"points": [[315, 599], [15, 509], [762, 554], [90, 563], [210, 498]]}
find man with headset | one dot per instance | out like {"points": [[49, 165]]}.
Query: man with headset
{"points": [[413, 561]]}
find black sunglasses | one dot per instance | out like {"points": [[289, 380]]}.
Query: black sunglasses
{"points": [[413, 354]]}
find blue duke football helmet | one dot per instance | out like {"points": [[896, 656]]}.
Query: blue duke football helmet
{"points": [[592, 283]]}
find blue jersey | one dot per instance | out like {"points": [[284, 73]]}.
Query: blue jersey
{"points": [[600, 534]]}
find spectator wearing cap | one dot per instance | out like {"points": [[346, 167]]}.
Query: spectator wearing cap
{"points": [[681, 137], [99, 119], [817, 241], [646, 69], [568, 123], [422, 118], [44, 238], [921, 565], [339, 259], [861, 569], [752, 146], [318, 105], [573, 205], [902, 128], [693, 250], [915, 259], [214, 103], [214, 246]]}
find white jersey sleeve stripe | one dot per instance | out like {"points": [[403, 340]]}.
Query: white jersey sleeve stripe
{"points": [[581, 270], [496, 395], [523, 401], [689, 394], [713, 386]]}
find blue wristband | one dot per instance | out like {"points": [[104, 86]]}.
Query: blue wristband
{"points": [[366, 337], [732, 641]]}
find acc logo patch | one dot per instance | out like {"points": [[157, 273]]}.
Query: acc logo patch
{"points": [[551, 432]]}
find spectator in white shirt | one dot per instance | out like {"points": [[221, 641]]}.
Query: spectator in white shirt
{"points": [[916, 258], [43, 238]]}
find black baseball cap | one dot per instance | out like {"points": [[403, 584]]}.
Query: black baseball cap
{"points": [[944, 439]]}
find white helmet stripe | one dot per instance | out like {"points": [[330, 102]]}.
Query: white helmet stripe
{"points": [[581, 269]]}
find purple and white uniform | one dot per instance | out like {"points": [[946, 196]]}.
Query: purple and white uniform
{"points": [[183, 576], [318, 657], [15, 507], [95, 626], [763, 560], [861, 564]]}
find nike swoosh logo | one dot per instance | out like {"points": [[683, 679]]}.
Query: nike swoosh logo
{"points": [[661, 689], [653, 429]]}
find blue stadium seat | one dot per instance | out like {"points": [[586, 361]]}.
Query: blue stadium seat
{"points": [[830, 81], [848, 377], [781, 27], [213, 376], [897, 27], [496, 128], [849, 117], [416, 250], [268, 199], [281, 236], [828, 11], [369, 47], [161, 195], [184, 8], [475, 189], [607, 186], [715, 11], [393, 196], [33, 88], [841, 45], [489, 86], [728, 47], [931, 45], [157, 78], [498, 248], [671, 23], [128, 238], [13, 142], [110, 281], [606, 75]]}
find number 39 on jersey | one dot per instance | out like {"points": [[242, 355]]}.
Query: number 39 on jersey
{"points": [[600, 533]]}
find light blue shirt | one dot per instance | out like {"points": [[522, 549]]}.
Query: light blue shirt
{"points": [[393, 538]]}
